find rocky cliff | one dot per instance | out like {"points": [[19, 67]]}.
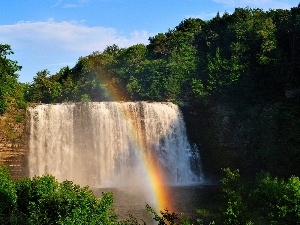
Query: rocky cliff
{"points": [[13, 143]]}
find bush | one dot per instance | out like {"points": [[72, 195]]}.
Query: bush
{"points": [[165, 218], [267, 201], [277, 200], [8, 196], [234, 209], [85, 98], [43, 200], [3, 106]]}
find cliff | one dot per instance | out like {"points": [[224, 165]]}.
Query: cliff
{"points": [[13, 143]]}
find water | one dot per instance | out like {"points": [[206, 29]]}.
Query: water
{"points": [[187, 199], [112, 144]]}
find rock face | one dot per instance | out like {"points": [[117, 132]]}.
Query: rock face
{"points": [[252, 138], [222, 135], [13, 146], [14, 157]]}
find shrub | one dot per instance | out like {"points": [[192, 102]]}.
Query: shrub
{"points": [[3, 106], [8, 196], [277, 201], [44, 200], [165, 218], [85, 98], [234, 210], [267, 201]]}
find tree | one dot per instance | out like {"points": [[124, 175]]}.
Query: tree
{"points": [[65, 78], [94, 76], [278, 200], [44, 88], [183, 59], [8, 76], [44, 200], [159, 46], [288, 36], [8, 195], [129, 66]]}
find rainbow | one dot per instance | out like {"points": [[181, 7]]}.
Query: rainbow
{"points": [[160, 192], [157, 179]]}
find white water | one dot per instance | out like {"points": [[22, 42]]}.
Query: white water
{"points": [[105, 144]]}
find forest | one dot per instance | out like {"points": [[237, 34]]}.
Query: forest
{"points": [[236, 79]]}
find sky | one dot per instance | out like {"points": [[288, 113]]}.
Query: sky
{"points": [[52, 34]]}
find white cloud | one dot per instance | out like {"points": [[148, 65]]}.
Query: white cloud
{"points": [[66, 36], [49, 43]]}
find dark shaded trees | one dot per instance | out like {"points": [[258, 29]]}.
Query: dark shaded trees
{"points": [[238, 54]]}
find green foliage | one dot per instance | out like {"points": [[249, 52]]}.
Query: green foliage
{"points": [[268, 200], [85, 98], [220, 73], [3, 106], [247, 57], [279, 200], [166, 218], [234, 209], [44, 88], [8, 196], [8, 77], [43, 200]]}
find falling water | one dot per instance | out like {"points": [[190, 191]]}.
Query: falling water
{"points": [[105, 144]]}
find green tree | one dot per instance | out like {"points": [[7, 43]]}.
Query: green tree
{"points": [[234, 210], [65, 78], [159, 46], [183, 59], [279, 200], [93, 76], [8, 77], [44, 200], [8, 196], [129, 66], [287, 34], [44, 88]]}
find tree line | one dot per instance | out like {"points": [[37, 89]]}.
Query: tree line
{"points": [[249, 55]]}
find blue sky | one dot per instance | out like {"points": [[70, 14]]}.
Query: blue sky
{"points": [[51, 34]]}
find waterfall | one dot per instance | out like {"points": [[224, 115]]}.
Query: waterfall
{"points": [[107, 143]]}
